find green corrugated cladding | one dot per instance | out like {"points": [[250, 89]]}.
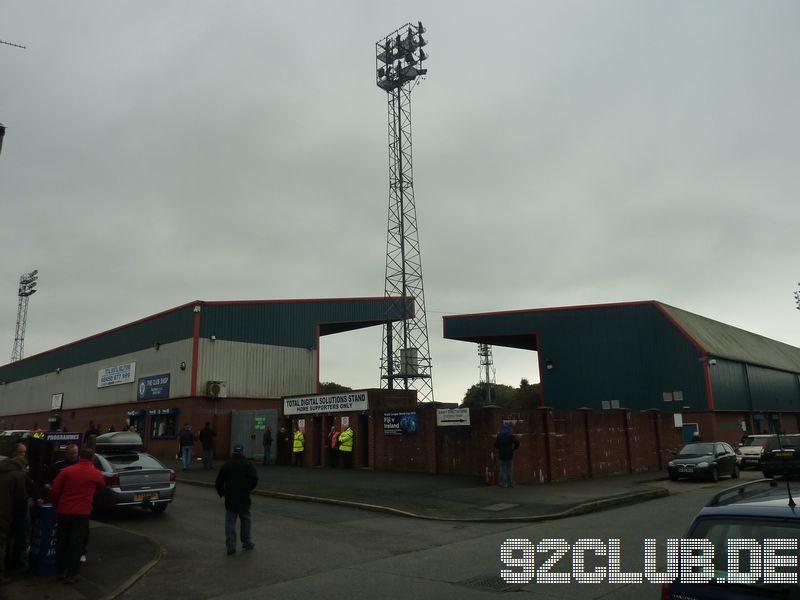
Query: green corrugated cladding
{"points": [[294, 323], [168, 327], [738, 386], [630, 352], [282, 323]]}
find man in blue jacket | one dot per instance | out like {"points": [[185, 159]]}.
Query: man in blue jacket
{"points": [[506, 444]]}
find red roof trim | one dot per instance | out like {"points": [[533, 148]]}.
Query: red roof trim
{"points": [[556, 308], [202, 303], [301, 300], [114, 329]]}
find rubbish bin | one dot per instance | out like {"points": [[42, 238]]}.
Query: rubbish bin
{"points": [[42, 557]]}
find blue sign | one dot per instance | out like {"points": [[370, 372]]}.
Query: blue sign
{"points": [[400, 423], [63, 437], [155, 386]]}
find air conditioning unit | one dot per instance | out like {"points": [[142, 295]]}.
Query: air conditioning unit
{"points": [[217, 389]]}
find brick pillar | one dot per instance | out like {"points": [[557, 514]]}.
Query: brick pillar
{"points": [[549, 431], [587, 412], [626, 429], [655, 420]]}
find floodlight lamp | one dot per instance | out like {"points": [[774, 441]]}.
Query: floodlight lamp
{"points": [[420, 28]]}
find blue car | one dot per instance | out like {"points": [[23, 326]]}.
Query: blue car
{"points": [[754, 512]]}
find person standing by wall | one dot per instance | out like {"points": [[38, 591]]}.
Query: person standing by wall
{"points": [[266, 441], [207, 435], [298, 446], [186, 440], [72, 495], [333, 446], [13, 504], [346, 441], [506, 444], [236, 479]]}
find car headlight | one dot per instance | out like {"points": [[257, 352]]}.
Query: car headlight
{"points": [[702, 465], [671, 463]]}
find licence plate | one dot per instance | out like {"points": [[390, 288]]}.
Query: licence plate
{"points": [[145, 496], [784, 453], [685, 469]]}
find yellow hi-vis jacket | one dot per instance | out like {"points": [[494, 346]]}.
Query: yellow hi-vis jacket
{"points": [[299, 441], [346, 440]]}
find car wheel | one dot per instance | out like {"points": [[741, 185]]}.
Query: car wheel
{"points": [[714, 475], [735, 474], [159, 508]]}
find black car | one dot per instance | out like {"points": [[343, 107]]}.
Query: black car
{"points": [[704, 460], [781, 455]]}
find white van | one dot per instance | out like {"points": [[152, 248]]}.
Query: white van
{"points": [[749, 453]]}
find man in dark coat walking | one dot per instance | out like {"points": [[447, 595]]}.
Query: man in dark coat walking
{"points": [[236, 479], [206, 437], [506, 443]]}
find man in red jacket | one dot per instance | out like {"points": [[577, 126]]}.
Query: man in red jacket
{"points": [[72, 495]]}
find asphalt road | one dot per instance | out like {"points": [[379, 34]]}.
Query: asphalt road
{"points": [[306, 548]]}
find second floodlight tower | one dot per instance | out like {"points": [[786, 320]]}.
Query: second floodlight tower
{"points": [[406, 358]]}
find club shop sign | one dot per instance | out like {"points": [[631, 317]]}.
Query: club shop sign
{"points": [[328, 403], [118, 375]]}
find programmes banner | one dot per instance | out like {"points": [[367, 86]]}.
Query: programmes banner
{"points": [[346, 401], [400, 423]]}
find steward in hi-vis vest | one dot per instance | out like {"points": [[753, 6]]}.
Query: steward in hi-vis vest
{"points": [[346, 439], [299, 447]]}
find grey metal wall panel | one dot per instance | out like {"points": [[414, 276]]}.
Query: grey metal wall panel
{"points": [[773, 390], [257, 370], [79, 384], [729, 385]]}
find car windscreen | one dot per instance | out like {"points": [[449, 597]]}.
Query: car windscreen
{"points": [[783, 441], [696, 449], [130, 462], [754, 442], [720, 530]]}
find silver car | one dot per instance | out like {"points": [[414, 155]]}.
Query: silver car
{"points": [[133, 477]]}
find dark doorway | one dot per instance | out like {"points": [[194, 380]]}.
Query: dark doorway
{"points": [[284, 442], [363, 430], [317, 442]]}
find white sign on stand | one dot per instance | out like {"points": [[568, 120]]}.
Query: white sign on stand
{"points": [[449, 417], [678, 417]]}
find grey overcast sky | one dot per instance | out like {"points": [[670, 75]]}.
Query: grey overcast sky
{"points": [[565, 153]]}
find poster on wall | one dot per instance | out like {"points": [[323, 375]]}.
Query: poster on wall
{"points": [[345, 423], [118, 375], [152, 387], [400, 423], [56, 400], [301, 425]]}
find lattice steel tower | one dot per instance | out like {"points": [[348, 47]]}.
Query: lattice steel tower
{"points": [[406, 358], [27, 288], [487, 371]]}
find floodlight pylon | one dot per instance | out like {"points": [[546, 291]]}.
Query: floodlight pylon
{"points": [[406, 358]]}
